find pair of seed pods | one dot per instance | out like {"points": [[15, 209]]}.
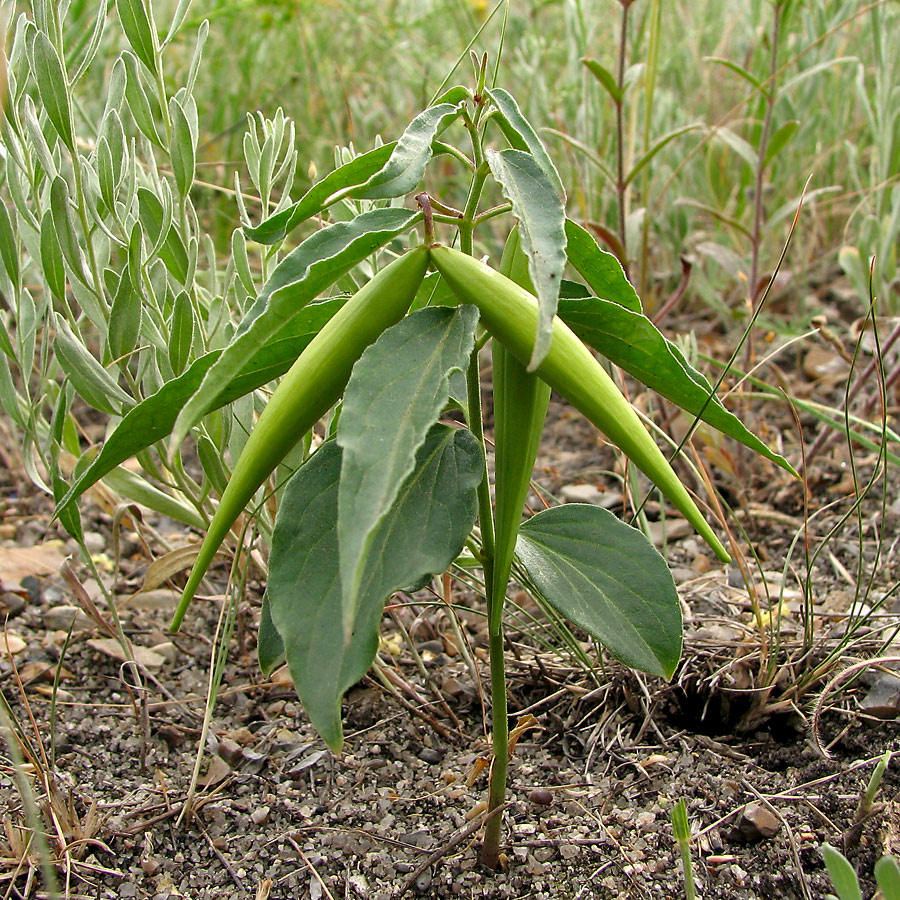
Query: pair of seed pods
{"points": [[509, 313]]}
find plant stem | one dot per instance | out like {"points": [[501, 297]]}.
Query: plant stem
{"points": [[620, 137]]}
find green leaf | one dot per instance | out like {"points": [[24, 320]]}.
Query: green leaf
{"points": [[397, 390], [356, 172], [843, 878], [90, 379], [135, 20], [780, 139], [738, 144], [124, 318], [62, 222], [9, 252], [139, 102], [521, 135], [738, 70], [632, 341], [406, 165], [656, 147], [601, 270], [70, 518], [51, 257], [608, 579], [606, 79], [269, 646], [156, 220], [305, 272], [540, 209], [181, 332], [182, 152], [887, 874], [52, 87], [153, 419], [422, 534]]}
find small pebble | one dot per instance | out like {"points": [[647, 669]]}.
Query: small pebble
{"points": [[258, 816], [430, 755], [540, 797]]}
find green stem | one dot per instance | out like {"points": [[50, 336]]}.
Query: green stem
{"points": [[490, 849]]}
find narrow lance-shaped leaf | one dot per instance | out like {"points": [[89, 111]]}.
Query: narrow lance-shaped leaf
{"points": [[602, 272], [318, 262], [406, 165], [540, 209], [182, 150], [402, 379], [124, 318], [153, 419], [181, 332], [135, 19], [520, 407], [608, 579], [630, 340], [423, 532], [90, 379], [51, 83], [606, 79], [356, 172]]}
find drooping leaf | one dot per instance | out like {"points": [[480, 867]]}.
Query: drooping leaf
{"points": [[540, 210], [153, 419], [356, 172], [632, 341], [90, 379], [318, 262], [406, 165], [425, 529], [521, 135], [601, 270], [396, 392], [608, 579]]}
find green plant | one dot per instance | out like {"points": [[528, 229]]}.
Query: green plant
{"points": [[846, 883], [148, 329], [682, 831]]}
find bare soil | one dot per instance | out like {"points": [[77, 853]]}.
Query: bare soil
{"points": [[592, 781]]}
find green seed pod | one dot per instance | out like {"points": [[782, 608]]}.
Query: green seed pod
{"points": [[308, 390], [510, 314]]}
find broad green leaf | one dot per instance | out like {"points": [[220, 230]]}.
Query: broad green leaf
{"points": [[181, 332], [602, 272], [608, 579], [182, 151], [540, 209], [90, 379], [305, 272], [153, 419], [396, 392], [269, 646], [843, 878], [422, 534], [52, 88], [606, 79], [780, 139], [406, 165], [521, 135], [124, 318], [135, 19], [352, 174], [630, 340]]}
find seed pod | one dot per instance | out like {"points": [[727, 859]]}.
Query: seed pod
{"points": [[308, 390], [510, 314], [520, 407]]}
